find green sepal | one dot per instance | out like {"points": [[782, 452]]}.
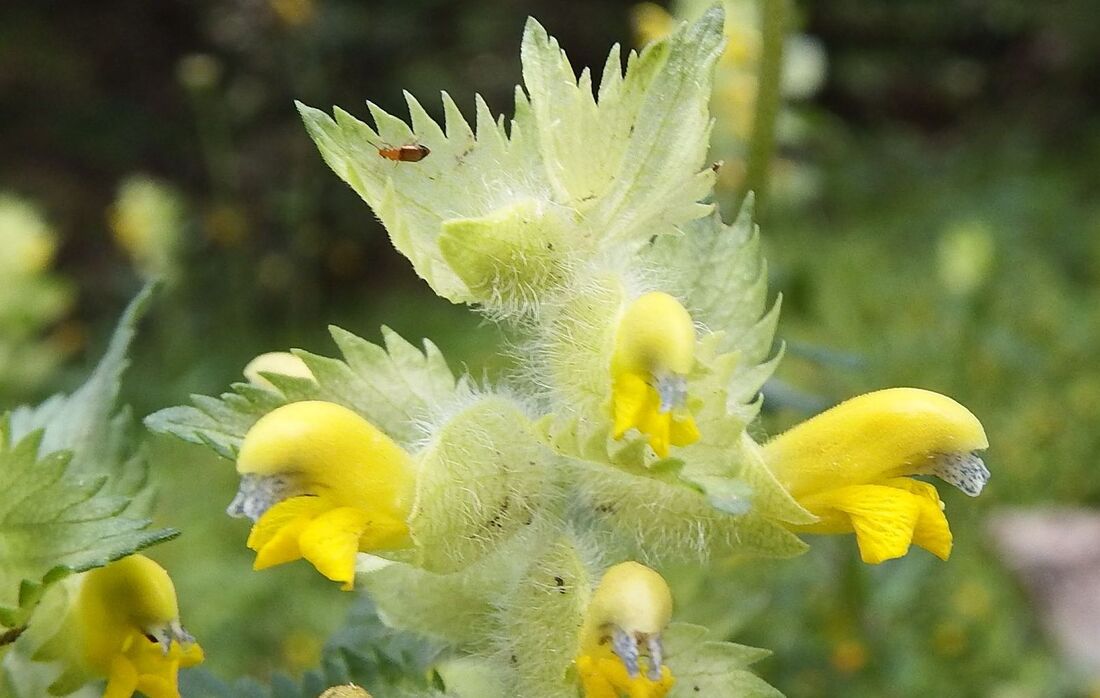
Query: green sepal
{"points": [[473, 677], [482, 479], [545, 610], [649, 518], [512, 256]]}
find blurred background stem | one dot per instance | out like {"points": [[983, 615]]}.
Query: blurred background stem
{"points": [[775, 21]]}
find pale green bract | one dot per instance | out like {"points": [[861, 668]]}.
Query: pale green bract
{"points": [[496, 217], [74, 489]]}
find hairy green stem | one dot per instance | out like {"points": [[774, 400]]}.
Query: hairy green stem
{"points": [[775, 15]]}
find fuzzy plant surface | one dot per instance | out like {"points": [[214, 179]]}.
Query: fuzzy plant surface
{"points": [[518, 527]]}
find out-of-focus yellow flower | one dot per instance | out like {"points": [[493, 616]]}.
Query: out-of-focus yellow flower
{"points": [[281, 362], [28, 243], [147, 222], [654, 352], [651, 22], [629, 610], [849, 656], [294, 13], [949, 638], [850, 465], [322, 483], [125, 622], [965, 256]]}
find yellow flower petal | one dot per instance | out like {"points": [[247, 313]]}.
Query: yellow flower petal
{"points": [[282, 514], [331, 541], [631, 395], [654, 352], [159, 687], [603, 677], [123, 679], [275, 536], [683, 430], [332, 452], [654, 334], [932, 531], [594, 683], [886, 518], [871, 438], [651, 22]]}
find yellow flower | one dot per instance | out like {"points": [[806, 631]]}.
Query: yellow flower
{"points": [[651, 22], [281, 362], [322, 483], [850, 467], [148, 220], [27, 241], [627, 614], [654, 352], [127, 620]]}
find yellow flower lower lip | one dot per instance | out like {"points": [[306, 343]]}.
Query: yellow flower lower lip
{"points": [[328, 536]]}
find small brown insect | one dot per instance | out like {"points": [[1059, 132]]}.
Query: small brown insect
{"points": [[405, 153]]}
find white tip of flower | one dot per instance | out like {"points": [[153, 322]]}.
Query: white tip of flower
{"points": [[626, 647], [965, 471], [672, 388], [257, 494], [165, 635]]}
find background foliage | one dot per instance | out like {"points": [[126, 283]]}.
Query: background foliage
{"points": [[951, 241]]}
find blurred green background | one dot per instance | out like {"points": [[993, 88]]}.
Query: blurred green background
{"points": [[932, 220]]}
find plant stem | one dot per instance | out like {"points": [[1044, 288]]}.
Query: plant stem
{"points": [[775, 16]]}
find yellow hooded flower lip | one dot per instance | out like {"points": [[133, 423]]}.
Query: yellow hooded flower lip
{"points": [[322, 483], [654, 353], [850, 466], [130, 630], [630, 608], [281, 362]]}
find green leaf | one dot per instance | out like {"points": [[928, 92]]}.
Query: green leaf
{"points": [[53, 523], [90, 425], [394, 387], [708, 668], [598, 174]]}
